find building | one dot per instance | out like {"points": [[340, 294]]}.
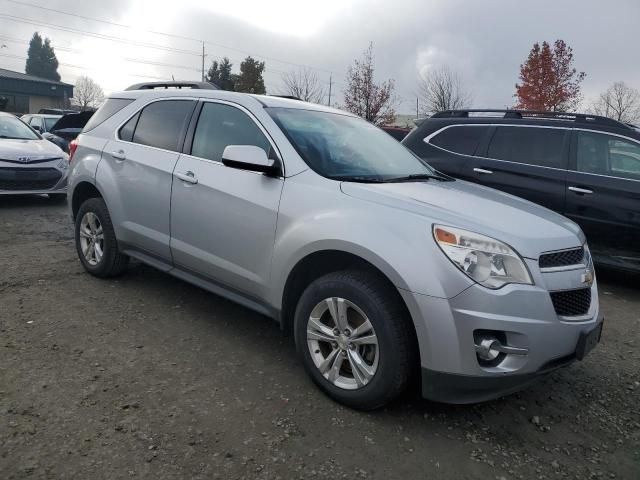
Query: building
{"points": [[22, 93]]}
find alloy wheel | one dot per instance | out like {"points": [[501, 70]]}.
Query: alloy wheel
{"points": [[343, 343], [91, 238]]}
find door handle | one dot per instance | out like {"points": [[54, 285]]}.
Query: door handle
{"points": [[188, 177], [119, 155], [483, 171], [581, 191]]}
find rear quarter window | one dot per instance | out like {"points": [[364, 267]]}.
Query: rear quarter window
{"points": [[463, 139], [106, 111]]}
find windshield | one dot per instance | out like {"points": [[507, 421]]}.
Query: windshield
{"points": [[11, 127], [347, 148]]}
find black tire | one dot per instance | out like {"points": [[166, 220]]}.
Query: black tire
{"points": [[396, 341], [113, 262]]}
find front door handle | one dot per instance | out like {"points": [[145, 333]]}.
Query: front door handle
{"points": [[119, 155], [188, 177], [483, 171], [581, 191]]}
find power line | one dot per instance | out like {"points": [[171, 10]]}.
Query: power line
{"points": [[182, 37]]}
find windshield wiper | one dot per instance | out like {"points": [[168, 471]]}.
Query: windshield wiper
{"points": [[416, 177], [357, 179]]}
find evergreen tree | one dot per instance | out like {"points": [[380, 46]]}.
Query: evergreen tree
{"points": [[220, 74], [250, 80], [41, 59]]}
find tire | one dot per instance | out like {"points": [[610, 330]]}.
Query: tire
{"points": [[111, 262], [393, 363]]}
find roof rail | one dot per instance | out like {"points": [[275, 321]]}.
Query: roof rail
{"points": [[519, 114], [290, 97], [173, 84]]}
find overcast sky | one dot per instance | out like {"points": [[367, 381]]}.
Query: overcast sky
{"points": [[485, 40]]}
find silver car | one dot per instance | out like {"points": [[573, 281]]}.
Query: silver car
{"points": [[384, 270], [28, 163]]}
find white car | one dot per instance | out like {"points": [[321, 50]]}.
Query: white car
{"points": [[29, 164]]}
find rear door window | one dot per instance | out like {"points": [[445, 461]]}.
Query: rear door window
{"points": [[530, 145], [463, 139], [163, 124], [604, 154]]}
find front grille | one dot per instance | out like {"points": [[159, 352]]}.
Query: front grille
{"points": [[563, 258], [28, 178], [572, 303]]}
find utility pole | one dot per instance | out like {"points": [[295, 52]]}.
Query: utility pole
{"points": [[203, 55], [330, 82]]}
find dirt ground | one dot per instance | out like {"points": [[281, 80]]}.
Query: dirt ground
{"points": [[149, 377]]}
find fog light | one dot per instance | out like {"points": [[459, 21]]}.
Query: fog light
{"points": [[489, 348]]}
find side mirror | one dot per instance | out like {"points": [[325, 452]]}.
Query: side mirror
{"points": [[37, 128], [248, 157]]}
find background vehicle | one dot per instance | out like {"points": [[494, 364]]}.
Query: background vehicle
{"points": [[28, 163], [40, 123], [583, 166], [316, 218], [397, 132], [67, 128]]}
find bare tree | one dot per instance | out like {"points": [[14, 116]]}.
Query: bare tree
{"points": [[372, 101], [442, 89], [620, 102], [304, 84], [87, 93]]}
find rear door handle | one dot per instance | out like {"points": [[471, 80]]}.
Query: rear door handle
{"points": [[119, 155], [188, 177], [483, 171], [581, 191]]}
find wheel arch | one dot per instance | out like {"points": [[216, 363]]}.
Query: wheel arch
{"points": [[82, 192]]}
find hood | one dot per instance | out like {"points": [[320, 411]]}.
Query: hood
{"points": [[27, 151], [527, 227], [72, 120]]}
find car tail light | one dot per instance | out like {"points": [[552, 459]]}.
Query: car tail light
{"points": [[73, 146]]}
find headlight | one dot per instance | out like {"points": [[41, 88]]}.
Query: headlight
{"points": [[485, 260]]}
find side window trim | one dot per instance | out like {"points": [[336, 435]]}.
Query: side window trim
{"points": [[181, 139], [188, 143], [485, 146]]}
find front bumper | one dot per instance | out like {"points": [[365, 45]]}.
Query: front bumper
{"points": [[33, 178], [525, 315]]}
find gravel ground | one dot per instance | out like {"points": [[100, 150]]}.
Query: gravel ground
{"points": [[149, 377]]}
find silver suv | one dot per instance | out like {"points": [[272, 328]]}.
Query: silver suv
{"points": [[384, 269]]}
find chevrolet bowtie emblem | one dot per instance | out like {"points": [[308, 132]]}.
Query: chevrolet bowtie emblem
{"points": [[587, 278]]}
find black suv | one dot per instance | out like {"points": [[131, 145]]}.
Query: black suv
{"points": [[583, 166]]}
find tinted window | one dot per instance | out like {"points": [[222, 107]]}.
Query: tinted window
{"points": [[49, 122], [608, 155], [463, 139], [162, 124], [126, 132], [530, 145], [221, 125], [107, 110]]}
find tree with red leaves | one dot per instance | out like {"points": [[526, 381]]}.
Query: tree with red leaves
{"points": [[548, 79], [373, 102]]}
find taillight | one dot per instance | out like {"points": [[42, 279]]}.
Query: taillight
{"points": [[73, 146]]}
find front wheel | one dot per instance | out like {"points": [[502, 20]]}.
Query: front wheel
{"points": [[354, 337], [96, 242]]}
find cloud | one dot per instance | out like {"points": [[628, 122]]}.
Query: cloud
{"points": [[484, 41]]}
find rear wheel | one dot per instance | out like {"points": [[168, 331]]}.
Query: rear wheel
{"points": [[96, 242], [354, 338]]}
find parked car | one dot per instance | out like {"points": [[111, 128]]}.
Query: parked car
{"points": [[40, 123], [378, 264], [67, 128], [583, 166], [28, 163], [396, 132]]}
